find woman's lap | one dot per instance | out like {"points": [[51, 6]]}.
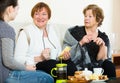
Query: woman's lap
{"points": [[48, 65], [29, 77], [109, 68]]}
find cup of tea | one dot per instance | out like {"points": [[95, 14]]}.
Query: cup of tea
{"points": [[53, 53], [61, 72], [98, 71]]}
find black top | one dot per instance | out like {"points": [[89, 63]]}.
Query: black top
{"points": [[78, 32]]}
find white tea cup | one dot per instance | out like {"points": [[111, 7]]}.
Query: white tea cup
{"points": [[53, 53], [87, 73], [98, 71]]}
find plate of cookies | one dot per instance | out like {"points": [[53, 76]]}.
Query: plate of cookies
{"points": [[78, 78], [98, 78], [81, 77]]}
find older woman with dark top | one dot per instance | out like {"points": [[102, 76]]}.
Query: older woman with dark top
{"points": [[90, 46]]}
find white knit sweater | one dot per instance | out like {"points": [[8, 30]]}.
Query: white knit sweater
{"points": [[26, 52]]}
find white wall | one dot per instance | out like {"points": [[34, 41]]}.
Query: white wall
{"points": [[116, 26], [66, 11], [116, 16], [70, 12]]}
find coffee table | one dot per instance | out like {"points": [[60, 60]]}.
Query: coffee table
{"points": [[115, 80], [112, 80]]}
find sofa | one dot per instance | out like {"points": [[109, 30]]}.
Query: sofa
{"points": [[60, 29]]}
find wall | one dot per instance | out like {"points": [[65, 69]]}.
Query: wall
{"points": [[116, 16], [66, 11], [70, 12], [115, 32]]}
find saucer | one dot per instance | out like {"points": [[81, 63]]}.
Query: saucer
{"points": [[98, 81]]}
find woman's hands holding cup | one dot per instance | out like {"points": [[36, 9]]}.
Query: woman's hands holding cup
{"points": [[65, 54], [46, 54]]}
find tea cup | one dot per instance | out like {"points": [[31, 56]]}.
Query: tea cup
{"points": [[98, 71], [53, 53]]}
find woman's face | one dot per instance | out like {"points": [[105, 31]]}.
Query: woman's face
{"points": [[89, 19], [40, 18]]}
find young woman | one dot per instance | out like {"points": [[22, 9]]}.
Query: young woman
{"points": [[11, 71]]}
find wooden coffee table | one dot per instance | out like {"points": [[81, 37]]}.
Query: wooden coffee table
{"points": [[117, 80], [74, 81]]}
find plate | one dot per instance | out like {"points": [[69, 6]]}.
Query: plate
{"points": [[98, 81], [76, 81]]}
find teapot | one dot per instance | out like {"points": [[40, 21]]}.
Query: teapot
{"points": [[87, 73], [61, 72]]}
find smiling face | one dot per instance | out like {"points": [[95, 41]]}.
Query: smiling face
{"points": [[40, 18], [90, 19]]}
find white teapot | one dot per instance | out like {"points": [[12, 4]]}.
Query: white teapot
{"points": [[87, 73]]}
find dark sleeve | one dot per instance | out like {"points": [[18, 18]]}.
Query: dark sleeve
{"points": [[105, 39], [107, 43]]}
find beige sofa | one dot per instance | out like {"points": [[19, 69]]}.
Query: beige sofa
{"points": [[60, 29]]}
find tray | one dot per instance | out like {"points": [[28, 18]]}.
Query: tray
{"points": [[75, 81]]}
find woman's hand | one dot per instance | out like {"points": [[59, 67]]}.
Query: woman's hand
{"points": [[85, 39], [30, 67], [39, 58], [99, 41], [46, 54], [66, 55]]}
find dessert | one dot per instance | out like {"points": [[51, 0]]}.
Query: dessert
{"points": [[98, 77], [79, 76]]}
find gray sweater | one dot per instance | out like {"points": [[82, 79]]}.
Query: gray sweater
{"points": [[7, 45], [84, 56], [75, 52]]}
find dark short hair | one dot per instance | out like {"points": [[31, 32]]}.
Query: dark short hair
{"points": [[39, 6], [97, 12], [4, 4]]}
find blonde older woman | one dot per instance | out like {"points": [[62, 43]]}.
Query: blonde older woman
{"points": [[90, 46]]}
